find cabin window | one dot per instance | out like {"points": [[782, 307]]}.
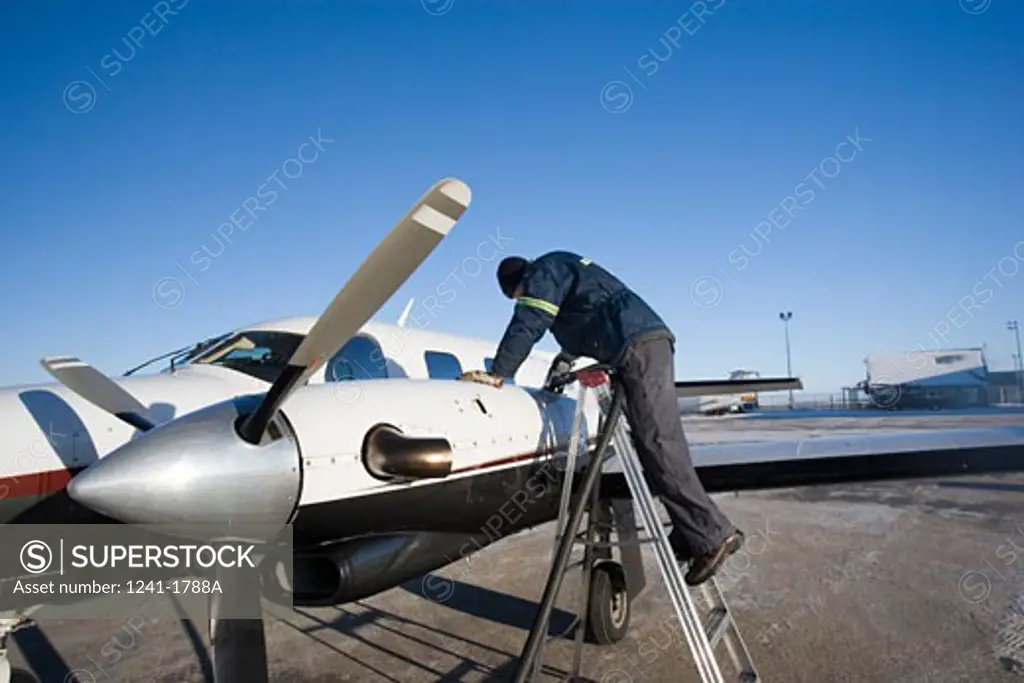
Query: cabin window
{"points": [[442, 365], [262, 354], [948, 360], [489, 362], [359, 358]]}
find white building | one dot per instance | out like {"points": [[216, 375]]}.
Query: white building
{"points": [[948, 378]]}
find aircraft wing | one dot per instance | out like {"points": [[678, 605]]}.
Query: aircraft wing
{"points": [[720, 387], [752, 465]]}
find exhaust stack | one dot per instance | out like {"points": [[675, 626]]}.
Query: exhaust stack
{"points": [[388, 454]]}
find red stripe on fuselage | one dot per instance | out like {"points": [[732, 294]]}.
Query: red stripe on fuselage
{"points": [[45, 483], [515, 458], [35, 484]]}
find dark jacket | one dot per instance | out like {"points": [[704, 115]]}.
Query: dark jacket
{"points": [[588, 310]]}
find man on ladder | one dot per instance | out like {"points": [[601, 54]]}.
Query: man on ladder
{"points": [[591, 313]]}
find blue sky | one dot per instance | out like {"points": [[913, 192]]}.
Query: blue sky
{"points": [[858, 166]]}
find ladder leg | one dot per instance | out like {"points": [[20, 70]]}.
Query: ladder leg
{"points": [[722, 626], [570, 469], [543, 617], [594, 519], [702, 640], [568, 480], [685, 609]]}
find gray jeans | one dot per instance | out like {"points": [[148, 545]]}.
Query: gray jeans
{"points": [[648, 377]]}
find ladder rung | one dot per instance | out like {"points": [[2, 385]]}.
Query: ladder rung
{"points": [[575, 623], [580, 539], [618, 544], [719, 621], [608, 528]]}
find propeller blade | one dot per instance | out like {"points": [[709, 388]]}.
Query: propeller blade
{"points": [[98, 389], [238, 650], [238, 647], [398, 255]]}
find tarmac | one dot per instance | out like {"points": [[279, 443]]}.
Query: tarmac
{"points": [[905, 581]]}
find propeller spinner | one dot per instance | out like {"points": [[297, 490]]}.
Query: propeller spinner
{"points": [[233, 463]]}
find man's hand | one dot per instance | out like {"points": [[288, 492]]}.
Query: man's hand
{"points": [[559, 366], [481, 377]]}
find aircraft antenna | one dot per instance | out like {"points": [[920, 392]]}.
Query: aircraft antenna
{"points": [[405, 313]]}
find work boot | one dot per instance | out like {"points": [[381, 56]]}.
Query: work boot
{"points": [[682, 553], [706, 566]]}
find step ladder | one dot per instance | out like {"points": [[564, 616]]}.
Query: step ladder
{"points": [[702, 640]]}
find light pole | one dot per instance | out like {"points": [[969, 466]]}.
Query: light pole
{"points": [[785, 318], [1018, 365]]}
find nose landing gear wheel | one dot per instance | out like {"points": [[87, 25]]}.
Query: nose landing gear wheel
{"points": [[608, 609]]}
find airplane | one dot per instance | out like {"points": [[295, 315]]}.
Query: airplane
{"points": [[744, 402], [351, 433]]}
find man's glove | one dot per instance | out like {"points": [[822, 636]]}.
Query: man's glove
{"points": [[559, 366], [481, 377], [592, 378]]}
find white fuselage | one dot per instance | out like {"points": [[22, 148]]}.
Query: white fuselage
{"points": [[50, 432]]}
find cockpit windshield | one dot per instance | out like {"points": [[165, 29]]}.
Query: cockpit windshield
{"points": [[262, 354], [178, 356]]}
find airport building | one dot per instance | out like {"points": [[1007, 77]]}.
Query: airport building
{"points": [[947, 378], [1006, 387]]}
